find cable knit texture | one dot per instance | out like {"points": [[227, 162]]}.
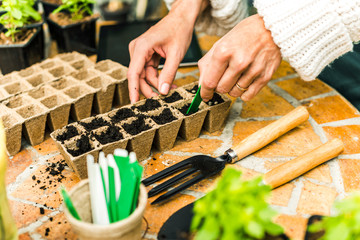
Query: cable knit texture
{"points": [[220, 17], [311, 33]]}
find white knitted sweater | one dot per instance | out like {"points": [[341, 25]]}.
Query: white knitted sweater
{"points": [[310, 33]]}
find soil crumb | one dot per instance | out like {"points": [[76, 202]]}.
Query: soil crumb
{"points": [[149, 105], [137, 126], [217, 99], [95, 123], [70, 132], [173, 98], [83, 145], [165, 117], [122, 114], [111, 134]]}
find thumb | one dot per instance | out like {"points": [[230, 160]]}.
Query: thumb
{"points": [[167, 75]]}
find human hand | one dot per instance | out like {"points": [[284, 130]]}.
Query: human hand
{"points": [[240, 63], [170, 39]]}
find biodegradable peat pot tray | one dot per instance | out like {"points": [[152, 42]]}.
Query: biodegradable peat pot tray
{"points": [[192, 124], [219, 108], [18, 56], [141, 131], [74, 145], [78, 37], [169, 121], [13, 128], [129, 228]]}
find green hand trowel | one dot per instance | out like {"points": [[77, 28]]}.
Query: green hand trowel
{"points": [[194, 106]]}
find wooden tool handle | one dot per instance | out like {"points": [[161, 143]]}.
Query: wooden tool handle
{"points": [[269, 133], [298, 166]]}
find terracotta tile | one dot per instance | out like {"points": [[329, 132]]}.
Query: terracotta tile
{"points": [[199, 145], [294, 226], [350, 171], [293, 143], [350, 135], [42, 187], [47, 146], [247, 174], [280, 196], [24, 236], [320, 173], [214, 134], [316, 199], [187, 69], [17, 165], [184, 80], [25, 214], [266, 104], [301, 89], [156, 215], [206, 42], [283, 70], [56, 227], [330, 109]]}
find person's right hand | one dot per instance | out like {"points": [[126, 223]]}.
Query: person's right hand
{"points": [[170, 39]]}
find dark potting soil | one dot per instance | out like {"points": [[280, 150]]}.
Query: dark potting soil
{"points": [[193, 90], [137, 126], [149, 105], [173, 98], [112, 134], [122, 114], [217, 99], [83, 145], [70, 132], [94, 124], [165, 117], [184, 109]]}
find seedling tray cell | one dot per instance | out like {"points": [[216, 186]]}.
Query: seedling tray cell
{"points": [[192, 124], [142, 132], [13, 128], [111, 138], [219, 108], [59, 107]]}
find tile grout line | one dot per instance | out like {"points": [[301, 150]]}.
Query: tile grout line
{"points": [[33, 226]]}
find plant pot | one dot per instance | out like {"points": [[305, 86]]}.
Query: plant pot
{"points": [[129, 228], [78, 37], [119, 15], [18, 56], [49, 7], [316, 235]]}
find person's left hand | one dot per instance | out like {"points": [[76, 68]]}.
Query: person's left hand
{"points": [[240, 63]]}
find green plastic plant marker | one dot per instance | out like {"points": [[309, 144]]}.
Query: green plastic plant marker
{"points": [[69, 204], [194, 106], [138, 169], [112, 197], [128, 183]]}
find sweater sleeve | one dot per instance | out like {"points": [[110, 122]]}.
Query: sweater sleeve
{"points": [[311, 33], [220, 16]]}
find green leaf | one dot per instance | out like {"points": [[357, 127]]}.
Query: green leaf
{"points": [[16, 13], [254, 229]]}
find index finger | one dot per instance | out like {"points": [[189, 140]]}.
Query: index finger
{"points": [[136, 67], [213, 70]]}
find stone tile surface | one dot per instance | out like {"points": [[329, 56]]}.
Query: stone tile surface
{"points": [[33, 187]]}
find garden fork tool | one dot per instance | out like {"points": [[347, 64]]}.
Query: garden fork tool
{"points": [[207, 166]]}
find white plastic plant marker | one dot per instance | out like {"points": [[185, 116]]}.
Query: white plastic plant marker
{"points": [[120, 152], [101, 207], [92, 187], [104, 168], [117, 180], [132, 157]]}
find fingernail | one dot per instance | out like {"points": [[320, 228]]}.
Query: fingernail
{"points": [[164, 88]]}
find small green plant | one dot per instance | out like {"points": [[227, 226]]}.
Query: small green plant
{"points": [[18, 14], [77, 8], [235, 209], [345, 225]]}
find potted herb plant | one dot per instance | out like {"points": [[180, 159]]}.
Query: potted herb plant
{"points": [[344, 225], [235, 209], [21, 37], [73, 26]]}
